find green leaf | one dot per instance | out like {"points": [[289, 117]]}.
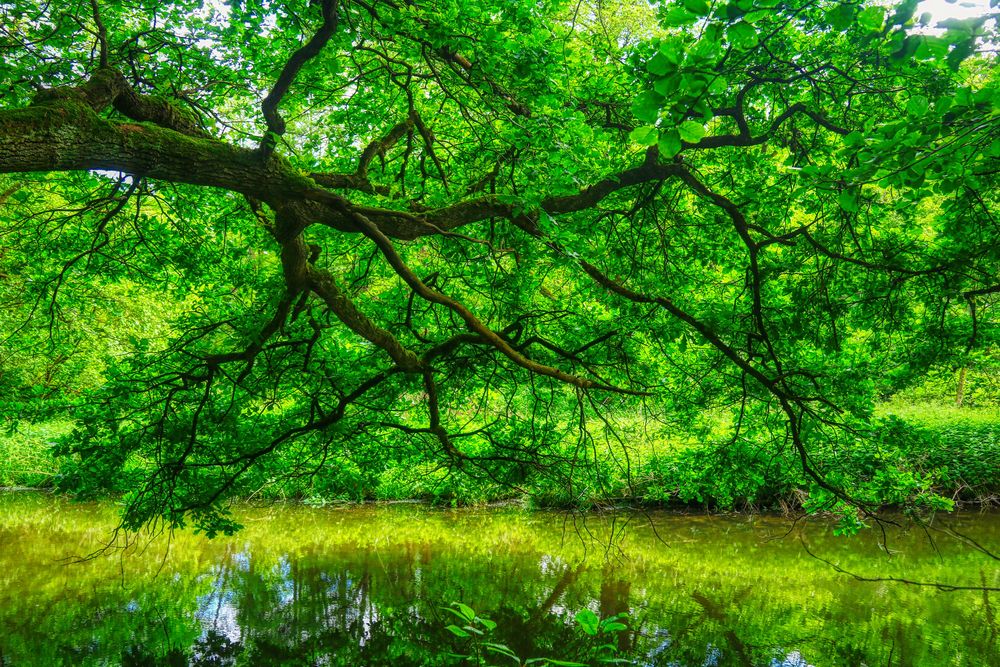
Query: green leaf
{"points": [[699, 7], [904, 12], [645, 135], [718, 86], [691, 132], [848, 525], [660, 65], [917, 105], [848, 200], [668, 85], [669, 144], [457, 631], [932, 47], [840, 17], [464, 611], [646, 107], [588, 620], [742, 35], [854, 139], [872, 18], [503, 650], [677, 17], [672, 49]]}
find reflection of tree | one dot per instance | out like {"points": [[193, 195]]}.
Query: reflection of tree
{"points": [[614, 599], [568, 578], [360, 601], [717, 613], [307, 609], [993, 647], [215, 648], [531, 629], [142, 656]]}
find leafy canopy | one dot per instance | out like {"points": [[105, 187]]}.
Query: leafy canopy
{"points": [[251, 241]]}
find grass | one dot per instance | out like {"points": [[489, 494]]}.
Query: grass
{"points": [[939, 413], [26, 453]]}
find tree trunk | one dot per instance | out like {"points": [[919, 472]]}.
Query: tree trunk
{"points": [[960, 393]]}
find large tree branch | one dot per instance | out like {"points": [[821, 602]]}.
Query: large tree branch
{"points": [[746, 138], [359, 179], [64, 132], [323, 284], [66, 135], [471, 321], [275, 123], [792, 404], [413, 225]]}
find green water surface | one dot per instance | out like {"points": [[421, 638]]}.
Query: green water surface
{"points": [[366, 586]]}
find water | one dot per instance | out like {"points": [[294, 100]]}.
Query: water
{"points": [[367, 586]]}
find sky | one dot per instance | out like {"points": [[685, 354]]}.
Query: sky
{"points": [[963, 9]]}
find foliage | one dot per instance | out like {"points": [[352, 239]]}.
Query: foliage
{"points": [[253, 243], [928, 448], [478, 630], [26, 454]]}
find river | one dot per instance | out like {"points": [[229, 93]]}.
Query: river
{"points": [[369, 585]]}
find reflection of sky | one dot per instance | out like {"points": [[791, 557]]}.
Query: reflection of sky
{"points": [[793, 659], [549, 564], [286, 584], [369, 618], [241, 559], [217, 613], [663, 636], [217, 610]]}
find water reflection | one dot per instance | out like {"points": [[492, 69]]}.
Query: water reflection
{"points": [[366, 586]]}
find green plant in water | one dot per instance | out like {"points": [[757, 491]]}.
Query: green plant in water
{"points": [[597, 647]]}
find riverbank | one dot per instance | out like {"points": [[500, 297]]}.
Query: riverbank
{"points": [[930, 448]]}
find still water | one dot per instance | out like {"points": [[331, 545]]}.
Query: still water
{"points": [[367, 586]]}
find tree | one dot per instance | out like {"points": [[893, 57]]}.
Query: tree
{"points": [[486, 231]]}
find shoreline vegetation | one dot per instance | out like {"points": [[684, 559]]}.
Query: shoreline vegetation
{"points": [[609, 506], [955, 449]]}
